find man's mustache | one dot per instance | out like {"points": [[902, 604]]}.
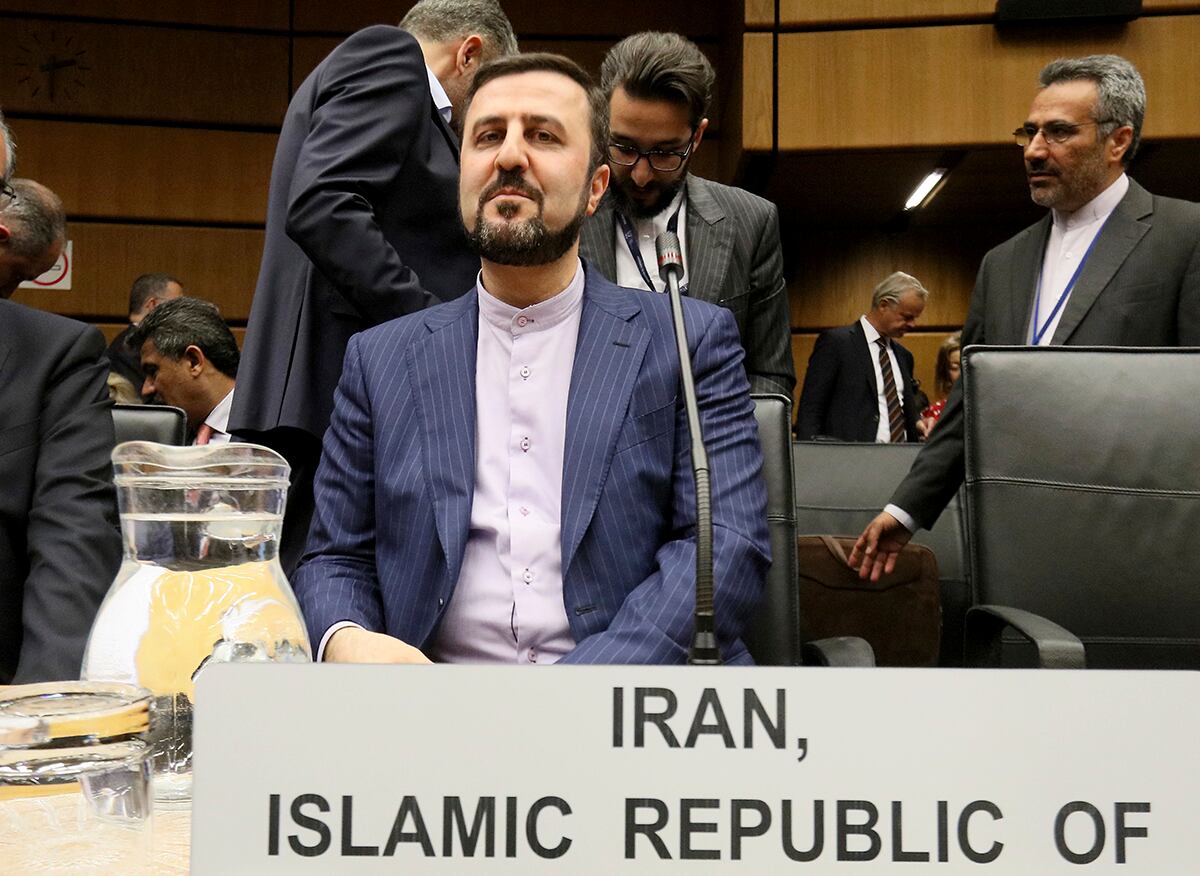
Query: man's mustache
{"points": [[513, 180]]}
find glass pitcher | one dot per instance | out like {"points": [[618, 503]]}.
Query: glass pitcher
{"points": [[200, 582]]}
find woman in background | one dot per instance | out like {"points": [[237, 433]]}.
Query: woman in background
{"points": [[949, 361]]}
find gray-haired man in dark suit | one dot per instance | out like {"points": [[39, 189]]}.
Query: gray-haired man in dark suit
{"points": [[1111, 265], [659, 87]]}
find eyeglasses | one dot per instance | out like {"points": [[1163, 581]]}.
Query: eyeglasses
{"points": [[8, 194], [1055, 132], [660, 160]]}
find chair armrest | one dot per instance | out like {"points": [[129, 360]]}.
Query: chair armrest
{"points": [[838, 651], [1057, 648]]}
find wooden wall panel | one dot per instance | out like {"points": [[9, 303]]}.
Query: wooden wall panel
{"points": [[534, 17], [807, 13], [146, 172], [244, 14], [836, 272], [143, 72], [963, 85], [758, 108], [760, 13], [218, 264], [307, 53]]}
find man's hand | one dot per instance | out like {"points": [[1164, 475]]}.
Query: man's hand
{"points": [[356, 645], [876, 550], [924, 425]]}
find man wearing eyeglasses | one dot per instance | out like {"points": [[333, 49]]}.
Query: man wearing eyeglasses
{"points": [[1111, 265], [659, 86]]}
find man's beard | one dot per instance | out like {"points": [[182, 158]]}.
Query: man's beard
{"points": [[636, 210], [526, 243]]}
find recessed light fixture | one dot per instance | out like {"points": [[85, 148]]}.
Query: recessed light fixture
{"points": [[925, 189]]}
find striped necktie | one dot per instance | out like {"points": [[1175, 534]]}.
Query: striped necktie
{"points": [[895, 413]]}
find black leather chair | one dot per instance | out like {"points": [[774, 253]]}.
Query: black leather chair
{"points": [[1083, 496], [161, 423], [774, 636], [840, 487]]}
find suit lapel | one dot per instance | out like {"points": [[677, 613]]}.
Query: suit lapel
{"points": [[608, 356], [447, 132], [1026, 267], [1117, 239], [597, 239], [708, 250], [442, 375]]}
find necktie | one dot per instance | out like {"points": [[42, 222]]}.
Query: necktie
{"points": [[203, 434], [895, 413]]}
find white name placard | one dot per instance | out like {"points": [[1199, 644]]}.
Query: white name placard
{"points": [[604, 770]]}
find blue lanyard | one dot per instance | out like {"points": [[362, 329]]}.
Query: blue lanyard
{"points": [[636, 252], [1039, 333]]}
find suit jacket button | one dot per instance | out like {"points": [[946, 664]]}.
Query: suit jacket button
{"points": [[441, 602]]}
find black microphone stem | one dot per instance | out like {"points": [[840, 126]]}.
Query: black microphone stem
{"points": [[704, 650]]}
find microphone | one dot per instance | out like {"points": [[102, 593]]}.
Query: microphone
{"points": [[704, 650]]}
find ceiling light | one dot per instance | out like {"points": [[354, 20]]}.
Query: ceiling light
{"points": [[925, 189]]}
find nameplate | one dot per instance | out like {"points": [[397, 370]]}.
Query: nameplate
{"points": [[602, 770]]}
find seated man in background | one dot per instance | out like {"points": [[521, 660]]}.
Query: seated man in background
{"points": [[190, 359], [859, 384], [506, 477], [149, 290], [59, 544]]}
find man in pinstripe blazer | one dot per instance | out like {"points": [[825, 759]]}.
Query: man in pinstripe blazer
{"points": [[505, 477], [659, 86]]}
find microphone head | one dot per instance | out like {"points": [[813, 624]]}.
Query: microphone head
{"points": [[670, 256]]}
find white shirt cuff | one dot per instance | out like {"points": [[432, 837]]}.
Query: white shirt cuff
{"points": [[899, 513], [329, 634]]}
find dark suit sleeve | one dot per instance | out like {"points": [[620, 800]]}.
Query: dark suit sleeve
{"points": [[939, 469], [338, 579], [1189, 303], [374, 97], [911, 412], [654, 623], [768, 327], [72, 539], [819, 381]]}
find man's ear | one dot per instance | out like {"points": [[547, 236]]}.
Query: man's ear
{"points": [[700, 129], [469, 55], [193, 357], [598, 186], [1120, 141]]}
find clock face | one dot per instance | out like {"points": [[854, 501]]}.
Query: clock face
{"points": [[50, 65]]}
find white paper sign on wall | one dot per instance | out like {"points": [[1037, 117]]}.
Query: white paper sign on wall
{"points": [[59, 275]]}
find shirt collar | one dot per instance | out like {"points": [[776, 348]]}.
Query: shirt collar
{"points": [[872, 333], [441, 100], [218, 417], [1097, 209], [541, 316]]}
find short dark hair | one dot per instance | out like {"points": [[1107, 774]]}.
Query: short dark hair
{"points": [[180, 323], [660, 66], [444, 20], [1121, 93], [37, 217], [148, 286], [536, 62]]}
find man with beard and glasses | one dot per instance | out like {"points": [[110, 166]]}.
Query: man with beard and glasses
{"points": [[506, 477], [659, 86], [1110, 265]]}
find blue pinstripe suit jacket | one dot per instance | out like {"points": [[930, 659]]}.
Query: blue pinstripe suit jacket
{"points": [[397, 476]]}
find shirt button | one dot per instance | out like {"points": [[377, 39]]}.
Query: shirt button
{"points": [[525, 444], [524, 511], [532, 656], [527, 576], [525, 372], [522, 321]]}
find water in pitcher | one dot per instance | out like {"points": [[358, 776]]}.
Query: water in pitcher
{"points": [[200, 583]]}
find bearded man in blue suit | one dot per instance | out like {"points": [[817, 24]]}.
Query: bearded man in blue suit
{"points": [[506, 477]]}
